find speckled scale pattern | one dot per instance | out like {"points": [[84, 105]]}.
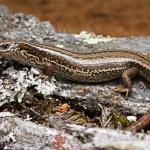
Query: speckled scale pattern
{"points": [[91, 67]]}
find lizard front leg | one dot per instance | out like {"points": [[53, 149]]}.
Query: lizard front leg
{"points": [[47, 70]]}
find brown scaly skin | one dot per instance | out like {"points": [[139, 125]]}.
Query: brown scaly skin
{"points": [[81, 67]]}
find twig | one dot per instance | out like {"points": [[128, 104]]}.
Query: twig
{"points": [[142, 123]]}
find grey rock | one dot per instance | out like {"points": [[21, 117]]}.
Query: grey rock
{"points": [[87, 97]]}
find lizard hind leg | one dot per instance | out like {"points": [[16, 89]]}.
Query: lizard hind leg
{"points": [[126, 77]]}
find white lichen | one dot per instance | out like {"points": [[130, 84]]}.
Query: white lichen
{"points": [[93, 39], [132, 118], [22, 80], [6, 114]]}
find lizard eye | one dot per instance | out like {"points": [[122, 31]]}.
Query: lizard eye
{"points": [[4, 46]]}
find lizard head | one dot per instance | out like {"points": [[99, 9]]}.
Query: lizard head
{"points": [[6, 48]]}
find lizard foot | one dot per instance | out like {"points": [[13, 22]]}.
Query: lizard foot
{"points": [[122, 90], [43, 77]]}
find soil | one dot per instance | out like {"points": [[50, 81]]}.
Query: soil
{"points": [[107, 17]]}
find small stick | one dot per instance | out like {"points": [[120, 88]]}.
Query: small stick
{"points": [[142, 123]]}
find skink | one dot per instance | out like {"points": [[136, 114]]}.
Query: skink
{"points": [[81, 67]]}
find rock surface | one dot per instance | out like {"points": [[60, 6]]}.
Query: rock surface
{"points": [[21, 134], [18, 81]]}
